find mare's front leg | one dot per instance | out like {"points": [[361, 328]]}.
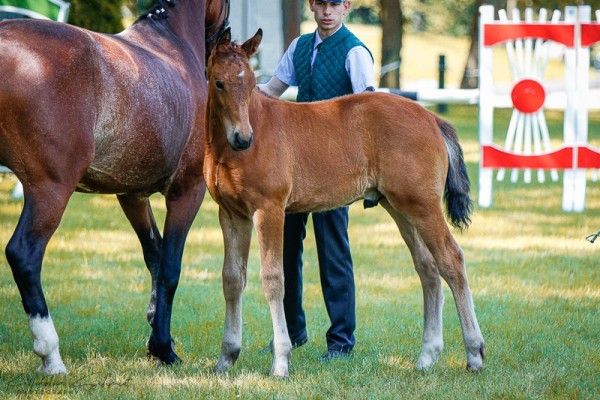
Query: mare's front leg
{"points": [[139, 213], [42, 211], [269, 228], [182, 206], [237, 233]]}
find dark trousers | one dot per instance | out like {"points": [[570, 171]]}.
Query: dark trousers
{"points": [[337, 276]]}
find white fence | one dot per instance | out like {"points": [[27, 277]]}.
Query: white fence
{"points": [[527, 144]]}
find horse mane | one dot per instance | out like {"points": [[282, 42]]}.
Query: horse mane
{"points": [[157, 11]]}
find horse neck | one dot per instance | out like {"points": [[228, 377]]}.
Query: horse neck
{"points": [[186, 20], [184, 27]]}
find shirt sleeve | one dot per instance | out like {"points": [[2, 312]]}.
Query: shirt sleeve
{"points": [[359, 66], [285, 70]]}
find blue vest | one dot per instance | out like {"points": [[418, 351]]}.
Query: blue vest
{"points": [[328, 76]]}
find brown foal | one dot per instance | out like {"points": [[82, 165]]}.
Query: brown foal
{"points": [[265, 157]]}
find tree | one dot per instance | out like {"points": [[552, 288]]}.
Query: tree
{"points": [[392, 27], [97, 15], [470, 78], [292, 18]]}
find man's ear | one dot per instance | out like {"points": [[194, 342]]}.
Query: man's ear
{"points": [[250, 46]]}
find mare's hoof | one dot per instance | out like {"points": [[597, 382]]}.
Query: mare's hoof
{"points": [[52, 368], [164, 354]]}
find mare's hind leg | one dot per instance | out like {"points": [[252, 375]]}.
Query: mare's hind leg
{"points": [[237, 233], [139, 213], [433, 299], [42, 211]]}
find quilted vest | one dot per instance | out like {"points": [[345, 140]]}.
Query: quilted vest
{"points": [[328, 77]]}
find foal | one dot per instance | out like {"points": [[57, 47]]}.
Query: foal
{"points": [[265, 157]]}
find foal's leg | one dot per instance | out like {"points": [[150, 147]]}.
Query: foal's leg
{"points": [[450, 261], [237, 233], [269, 228], [433, 299], [43, 208], [139, 213]]}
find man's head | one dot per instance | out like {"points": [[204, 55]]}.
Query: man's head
{"points": [[329, 14]]}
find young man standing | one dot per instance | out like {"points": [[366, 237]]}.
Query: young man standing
{"points": [[327, 63]]}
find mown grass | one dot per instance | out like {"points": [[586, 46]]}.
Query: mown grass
{"points": [[534, 277]]}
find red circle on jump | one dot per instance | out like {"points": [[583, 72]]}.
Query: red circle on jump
{"points": [[528, 96]]}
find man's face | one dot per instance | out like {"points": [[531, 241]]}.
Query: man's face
{"points": [[328, 15]]}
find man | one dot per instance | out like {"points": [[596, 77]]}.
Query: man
{"points": [[328, 63]]}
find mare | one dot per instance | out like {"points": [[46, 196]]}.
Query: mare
{"points": [[265, 157], [116, 114]]}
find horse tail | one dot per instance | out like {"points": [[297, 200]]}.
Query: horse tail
{"points": [[456, 192]]}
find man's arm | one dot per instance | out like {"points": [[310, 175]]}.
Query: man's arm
{"points": [[359, 66], [275, 87]]}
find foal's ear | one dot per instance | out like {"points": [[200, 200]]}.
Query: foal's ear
{"points": [[224, 38], [250, 46]]}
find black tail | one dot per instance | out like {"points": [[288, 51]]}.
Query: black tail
{"points": [[456, 193]]}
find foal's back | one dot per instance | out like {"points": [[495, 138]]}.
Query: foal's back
{"points": [[335, 151]]}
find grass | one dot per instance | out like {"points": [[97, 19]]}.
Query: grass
{"points": [[534, 277]]}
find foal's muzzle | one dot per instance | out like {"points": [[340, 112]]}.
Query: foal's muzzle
{"points": [[240, 143]]}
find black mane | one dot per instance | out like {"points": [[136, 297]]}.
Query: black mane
{"points": [[157, 11]]}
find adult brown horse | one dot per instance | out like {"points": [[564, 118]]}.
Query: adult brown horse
{"points": [[96, 113], [265, 157]]}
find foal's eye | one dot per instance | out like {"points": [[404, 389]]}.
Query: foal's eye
{"points": [[219, 85]]}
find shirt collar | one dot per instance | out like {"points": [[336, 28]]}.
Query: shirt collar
{"points": [[318, 39]]}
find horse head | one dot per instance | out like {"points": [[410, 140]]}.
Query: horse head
{"points": [[231, 82]]}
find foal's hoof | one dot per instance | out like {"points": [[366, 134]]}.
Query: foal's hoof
{"points": [[223, 365], [279, 372], [475, 361]]}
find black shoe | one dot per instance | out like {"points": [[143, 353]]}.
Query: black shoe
{"points": [[269, 347], [331, 354]]}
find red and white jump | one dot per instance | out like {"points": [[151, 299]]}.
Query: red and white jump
{"points": [[528, 145]]}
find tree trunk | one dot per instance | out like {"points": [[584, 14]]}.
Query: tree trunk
{"points": [[470, 78], [292, 17], [391, 43]]}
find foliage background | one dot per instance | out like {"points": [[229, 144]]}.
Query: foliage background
{"points": [[98, 15]]}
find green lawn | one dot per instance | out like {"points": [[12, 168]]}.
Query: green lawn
{"points": [[534, 277]]}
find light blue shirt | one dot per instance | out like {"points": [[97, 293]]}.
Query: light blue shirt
{"points": [[359, 66]]}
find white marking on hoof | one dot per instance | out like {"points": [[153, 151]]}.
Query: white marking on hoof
{"points": [[45, 345], [280, 371], [475, 359], [430, 353]]}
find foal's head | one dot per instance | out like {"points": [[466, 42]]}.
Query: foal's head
{"points": [[230, 84]]}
